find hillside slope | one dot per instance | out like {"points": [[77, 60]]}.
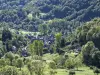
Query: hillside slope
{"points": [[28, 14]]}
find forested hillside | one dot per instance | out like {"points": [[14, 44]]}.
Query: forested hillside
{"points": [[29, 14], [81, 10]]}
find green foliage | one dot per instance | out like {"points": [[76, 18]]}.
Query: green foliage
{"points": [[52, 65], [17, 56], [24, 72], [36, 67], [87, 36], [89, 32], [30, 17], [69, 63], [58, 37], [27, 60], [20, 14], [91, 54], [43, 28], [31, 48], [59, 25], [36, 47], [6, 35], [96, 58], [2, 62], [36, 57], [20, 63], [30, 68], [78, 62], [2, 50], [36, 15], [63, 42], [53, 72], [52, 57], [9, 70], [10, 56]]}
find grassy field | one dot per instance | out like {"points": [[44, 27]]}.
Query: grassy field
{"points": [[23, 32], [82, 71]]}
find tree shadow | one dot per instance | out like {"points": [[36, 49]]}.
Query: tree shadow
{"points": [[80, 70]]}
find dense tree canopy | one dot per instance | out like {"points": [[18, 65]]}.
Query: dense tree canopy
{"points": [[28, 14]]}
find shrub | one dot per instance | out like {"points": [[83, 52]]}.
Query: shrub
{"points": [[2, 63], [91, 67], [69, 63], [52, 65], [53, 72], [36, 57], [9, 70], [25, 72], [20, 63]]}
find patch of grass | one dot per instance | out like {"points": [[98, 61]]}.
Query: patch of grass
{"points": [[85, 71], [82, 71], [61, 72], [23, 32]]}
